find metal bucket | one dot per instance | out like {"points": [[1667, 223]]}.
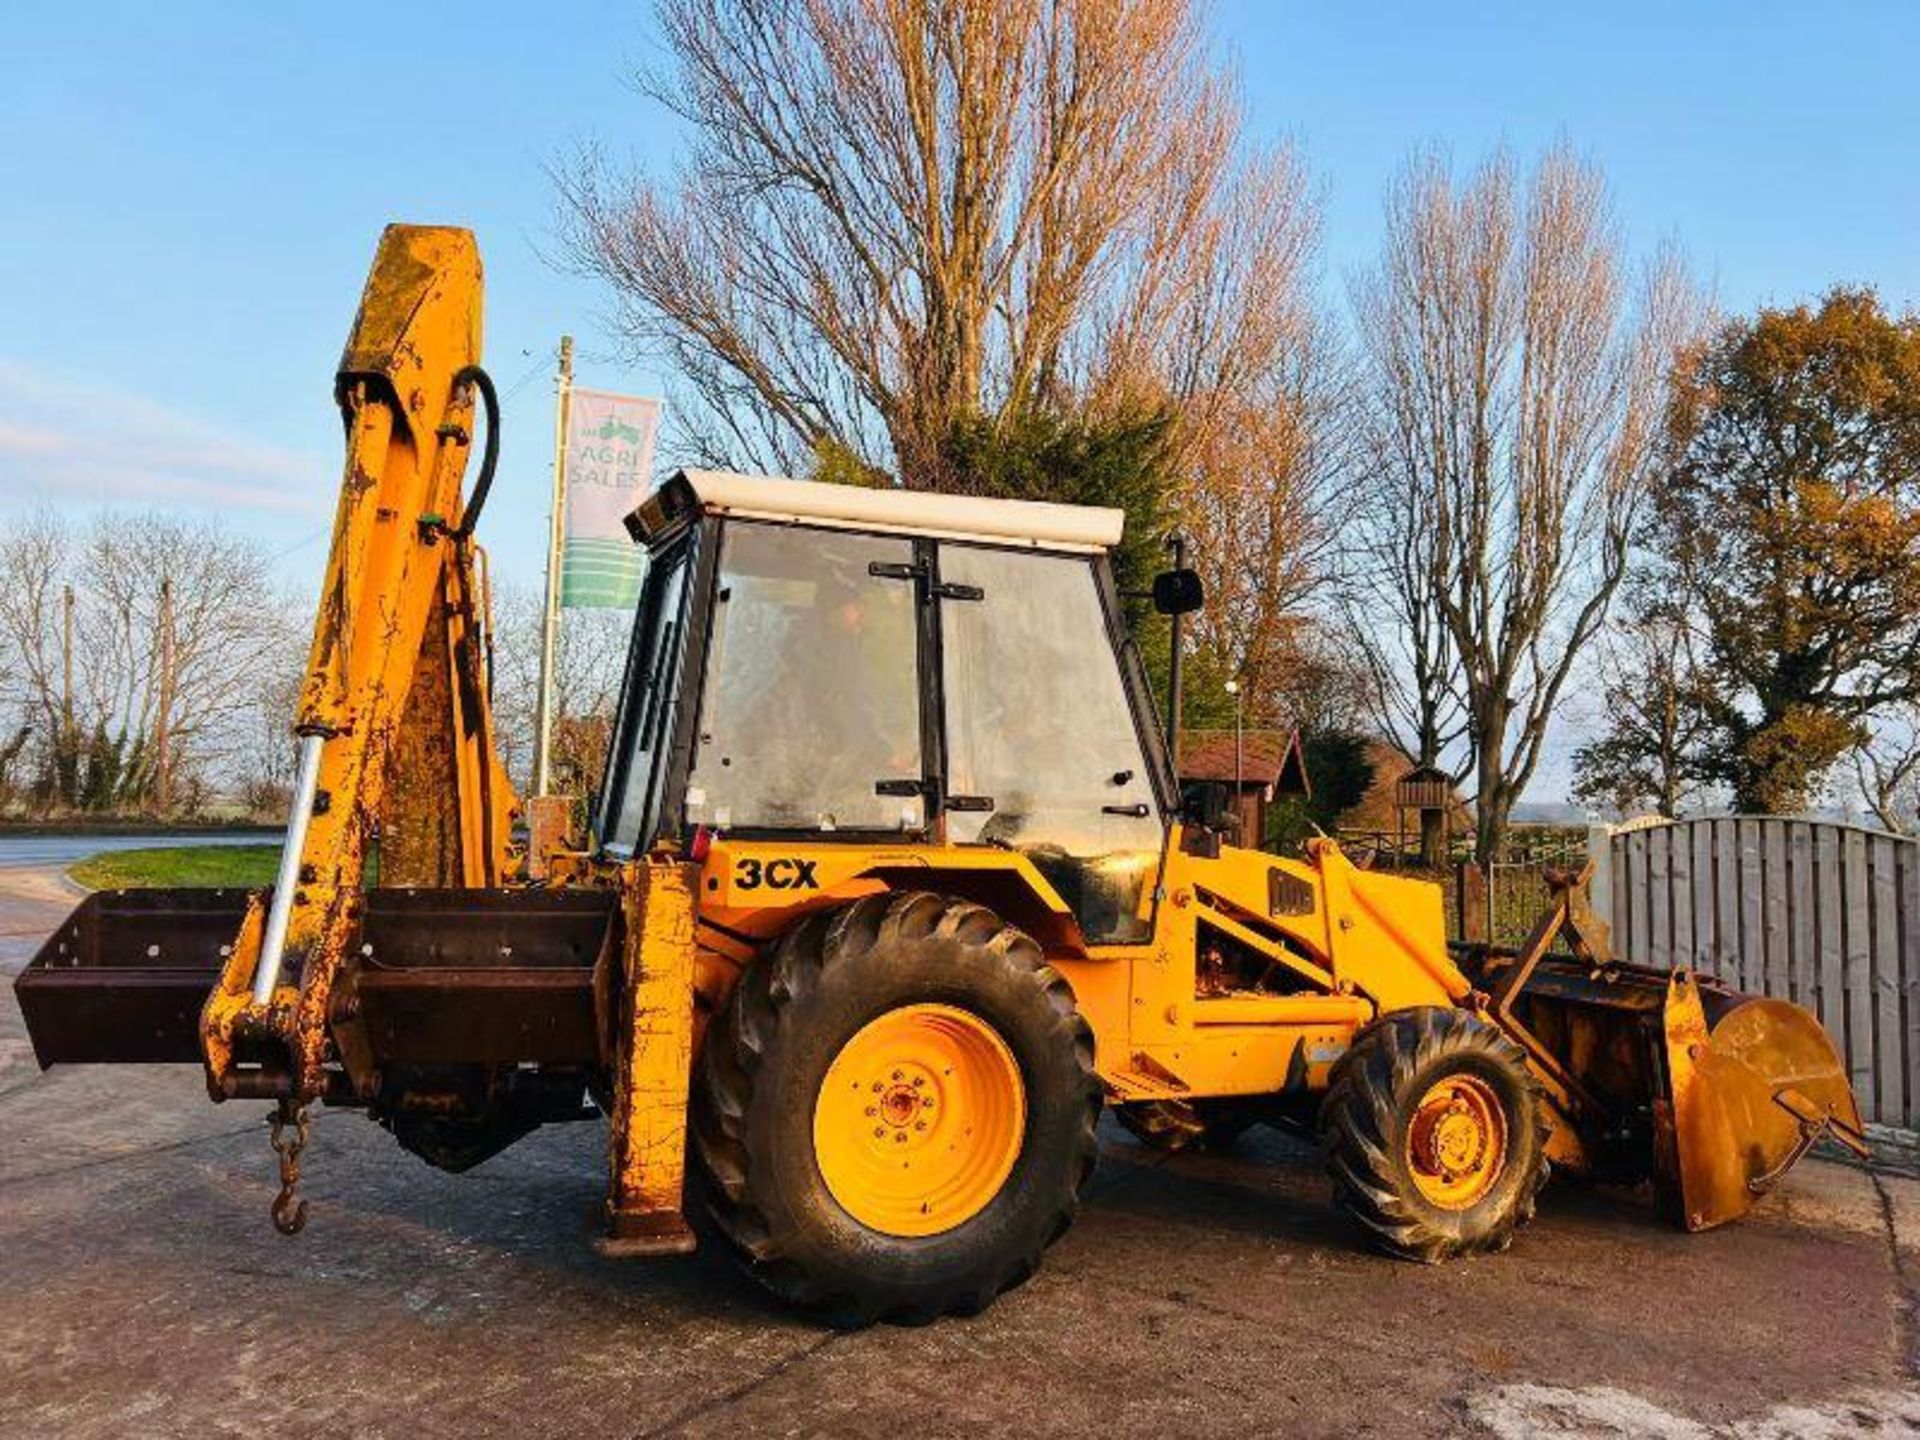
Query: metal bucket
{"points": [[436, 977]]}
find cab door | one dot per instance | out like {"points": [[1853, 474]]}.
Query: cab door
{"points": [[1044, 752]]}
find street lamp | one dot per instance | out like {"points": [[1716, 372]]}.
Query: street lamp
{"points": [[1239, 757]]}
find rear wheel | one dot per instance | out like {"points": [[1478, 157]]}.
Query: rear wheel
{"points": [[1433, 1132], [896, 1110]]}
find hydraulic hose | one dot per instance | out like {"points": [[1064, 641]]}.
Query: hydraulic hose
{"points": [[490, 457]]}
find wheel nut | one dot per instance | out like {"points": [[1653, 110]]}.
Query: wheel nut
{"points": [[901, 1138], [871, 1112], [896, 1074], [918, 1081], [919, 1124], [879, 1132]]}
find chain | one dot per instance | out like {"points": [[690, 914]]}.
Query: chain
{"points": [[289, 1215]]}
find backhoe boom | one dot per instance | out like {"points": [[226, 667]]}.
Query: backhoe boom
{"points": [[395, 723]]}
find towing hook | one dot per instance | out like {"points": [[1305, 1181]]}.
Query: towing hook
{"points": [[289, 1213]]}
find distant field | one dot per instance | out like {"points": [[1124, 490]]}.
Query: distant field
{"points": [[213, 866]]}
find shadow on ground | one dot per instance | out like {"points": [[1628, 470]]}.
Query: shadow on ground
{"points": [[142, 1290]]}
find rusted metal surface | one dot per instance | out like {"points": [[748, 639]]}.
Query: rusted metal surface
{"points": [[289, 1212], [124, 977], [434, 977], [395, 683], [1712, 1094], [481, 977], [422, 835], [549, 827], [1752, 1089], [647, 1140]]}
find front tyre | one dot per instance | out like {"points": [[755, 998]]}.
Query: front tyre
{"points": [[1433, 1133], [895, 1111]]}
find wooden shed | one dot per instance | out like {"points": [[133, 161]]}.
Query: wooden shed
{"points": [[1264, 766]]}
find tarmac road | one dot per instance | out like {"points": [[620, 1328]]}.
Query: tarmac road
{"points": [[143, 1292], [56, 852]]}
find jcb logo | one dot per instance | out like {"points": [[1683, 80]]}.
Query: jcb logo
{"points": [[782, 874]]}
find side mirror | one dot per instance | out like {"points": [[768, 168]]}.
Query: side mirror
{"points": [[1178, 592]]}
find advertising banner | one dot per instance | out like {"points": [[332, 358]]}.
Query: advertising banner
{"points": [[609, 468]]}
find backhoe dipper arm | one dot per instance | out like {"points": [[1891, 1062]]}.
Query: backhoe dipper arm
{"points": [[395, 723]]}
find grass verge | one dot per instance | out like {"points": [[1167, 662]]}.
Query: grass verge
{"points": [[211, 866]]}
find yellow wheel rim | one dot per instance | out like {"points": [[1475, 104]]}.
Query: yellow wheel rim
{"points": [[1457, 1142], [919, 1120]]}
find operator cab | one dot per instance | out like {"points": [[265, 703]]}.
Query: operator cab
{"points": [[824, 662]]}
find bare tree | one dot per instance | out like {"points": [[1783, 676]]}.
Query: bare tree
{"points": [[1246, 364], [894, 216], [36, 553], [588, 665], [176, 615], [1392, 617], [265, 754], [1886, 768], [1658, 696], [135, 652], [1522, 380]]}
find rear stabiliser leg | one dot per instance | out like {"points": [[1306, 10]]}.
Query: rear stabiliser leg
{"points": [[652, 1043]]}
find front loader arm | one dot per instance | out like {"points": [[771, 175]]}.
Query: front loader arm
{"points": [[395, 724]]}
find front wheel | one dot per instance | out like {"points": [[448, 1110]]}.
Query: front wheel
{"points": [[896, 1110], [1433, 1132]]}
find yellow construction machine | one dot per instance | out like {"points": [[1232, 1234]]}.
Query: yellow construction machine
{"points": [[890, 890]]}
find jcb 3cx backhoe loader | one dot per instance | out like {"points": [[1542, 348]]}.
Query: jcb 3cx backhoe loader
{"points": [[891, 891]]}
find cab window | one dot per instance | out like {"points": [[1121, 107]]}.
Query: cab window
{"points": [[631, 802], [810, 709], [1043, 755]]}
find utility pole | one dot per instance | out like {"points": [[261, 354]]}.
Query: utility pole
{"points": [[556, 542], [1177, 543], [66, 667], [66, 770], [1239, 764], [163, 719]]}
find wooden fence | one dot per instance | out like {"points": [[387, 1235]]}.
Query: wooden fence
{"points": [[1823, 914]]}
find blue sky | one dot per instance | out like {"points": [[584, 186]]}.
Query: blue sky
{"points": [[193, 192]]}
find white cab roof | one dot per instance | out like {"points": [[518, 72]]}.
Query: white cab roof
{"points": [[771, 497]]}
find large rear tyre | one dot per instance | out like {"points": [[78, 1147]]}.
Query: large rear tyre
{"points": [[895, 1111], [1434, 1134]]}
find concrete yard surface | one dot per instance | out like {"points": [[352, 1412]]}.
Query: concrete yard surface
{"points": [[144, 1292]]}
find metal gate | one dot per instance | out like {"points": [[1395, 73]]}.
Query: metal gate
{"points": [[1820, 913]]}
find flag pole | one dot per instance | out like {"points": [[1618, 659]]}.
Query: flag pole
{"points": [[556, 539]]}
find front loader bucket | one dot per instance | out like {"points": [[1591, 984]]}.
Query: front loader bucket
{"points": [[1659, 1075], [1752, 1084]]}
